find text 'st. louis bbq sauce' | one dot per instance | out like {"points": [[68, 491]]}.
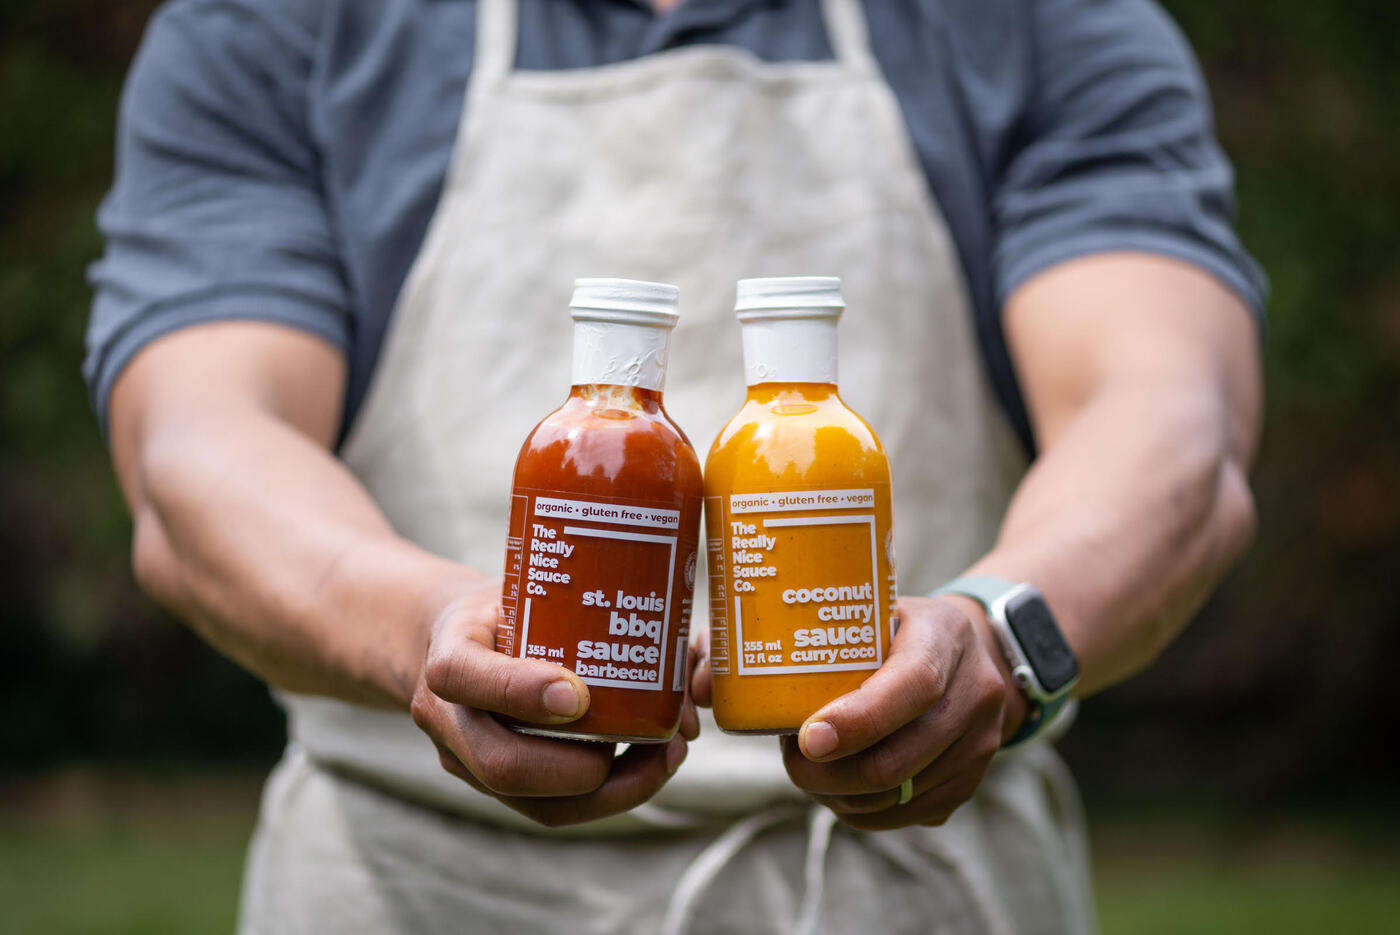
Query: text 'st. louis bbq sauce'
{"points": [[604, 524], [797, 505]]}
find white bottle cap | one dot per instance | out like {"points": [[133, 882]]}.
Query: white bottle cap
{"points": [[622, 331], [789, 328], [626, 300], [789, 297]]}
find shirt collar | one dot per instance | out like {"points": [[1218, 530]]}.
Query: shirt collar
{"points": [[689, 15]]}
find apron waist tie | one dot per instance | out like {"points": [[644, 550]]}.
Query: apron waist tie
{"points": [[820, 823], [706, 865], [983, 898]]}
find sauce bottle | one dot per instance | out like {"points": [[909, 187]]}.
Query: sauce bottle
{"points": [[604, 524], [797, 504]]}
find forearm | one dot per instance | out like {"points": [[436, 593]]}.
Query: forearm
{"points": [[247, 526], [1142, 378], [1128, 521], [272, 551]]}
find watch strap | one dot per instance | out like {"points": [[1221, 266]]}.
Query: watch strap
{"points": [[1038, 717], [985, 589]]}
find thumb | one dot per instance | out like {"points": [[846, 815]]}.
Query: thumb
{"points": [[463, 667], [911, 681]]}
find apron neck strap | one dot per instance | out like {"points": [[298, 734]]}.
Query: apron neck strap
{"points": [[496, 38], [495, 41], [849, 36]]}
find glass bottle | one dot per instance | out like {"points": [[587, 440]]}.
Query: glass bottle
{"points": [[797, 503], [604, 524]]}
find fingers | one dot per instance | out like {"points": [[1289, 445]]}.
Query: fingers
{"points": [[923, 660], [875, 770], [500, 761], [933, 807], [636, 776], [937, 792], [933, 713], [553, 782], [700, 670], [935, 742], [463, 667], [690, 719]]}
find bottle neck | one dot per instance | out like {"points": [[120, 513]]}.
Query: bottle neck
{"points": [[792, 394], [790, 350], [612, 401], [620, 354]]}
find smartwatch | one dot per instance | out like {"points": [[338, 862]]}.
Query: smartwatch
{"points": [[1041, 661]]}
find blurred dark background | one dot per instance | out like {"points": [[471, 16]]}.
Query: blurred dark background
{"points": [[1278, 697]]}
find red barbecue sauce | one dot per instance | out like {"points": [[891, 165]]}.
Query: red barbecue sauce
{"points": [[600, 559]]}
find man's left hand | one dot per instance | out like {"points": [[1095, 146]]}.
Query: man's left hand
{"points": [[936, 711]]}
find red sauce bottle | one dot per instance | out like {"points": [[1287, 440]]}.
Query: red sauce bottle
{"points": [[604, 524]]}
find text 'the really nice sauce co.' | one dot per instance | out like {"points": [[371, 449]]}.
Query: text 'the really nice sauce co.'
{"points": [[604, 524], [797, 504]]}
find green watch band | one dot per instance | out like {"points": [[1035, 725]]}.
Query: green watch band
{"points": [[984, 589], [994, 594]]}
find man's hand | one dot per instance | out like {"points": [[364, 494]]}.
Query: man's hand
{"points": [[251, 530], [935, 712], [554, 782]]}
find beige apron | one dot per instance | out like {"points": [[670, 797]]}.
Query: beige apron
{"points": [[696, 166]]}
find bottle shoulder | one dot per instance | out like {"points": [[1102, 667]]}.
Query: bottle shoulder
{"points": [[591, 447], [799, 438]]}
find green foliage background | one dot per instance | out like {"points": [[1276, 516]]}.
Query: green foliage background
{"points": [[89, 670], [1279, 694]]}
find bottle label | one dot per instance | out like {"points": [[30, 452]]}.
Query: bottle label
{"points": [[602, 587], [804, 581]]}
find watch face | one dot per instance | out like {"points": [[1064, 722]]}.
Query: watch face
{"points": [[1030, 620]]}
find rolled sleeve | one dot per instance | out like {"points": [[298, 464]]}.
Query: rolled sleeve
{"points": [[216, 211], [1118, 152]]}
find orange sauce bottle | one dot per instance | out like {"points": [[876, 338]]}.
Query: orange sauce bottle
{"points": [[797, 504], [604, 524]]}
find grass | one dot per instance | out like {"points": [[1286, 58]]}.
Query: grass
{"points": [[1209, 898], [117, 876], [131, 855], [1302, 875], [95, 856]]}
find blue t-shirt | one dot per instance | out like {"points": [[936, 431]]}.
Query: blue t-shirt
{"points": [[280, 160]]}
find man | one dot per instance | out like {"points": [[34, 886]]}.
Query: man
{"points": [[339, 247]]}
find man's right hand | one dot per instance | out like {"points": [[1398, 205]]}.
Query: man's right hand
{"points": [[250, 529], [554, 782]]}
